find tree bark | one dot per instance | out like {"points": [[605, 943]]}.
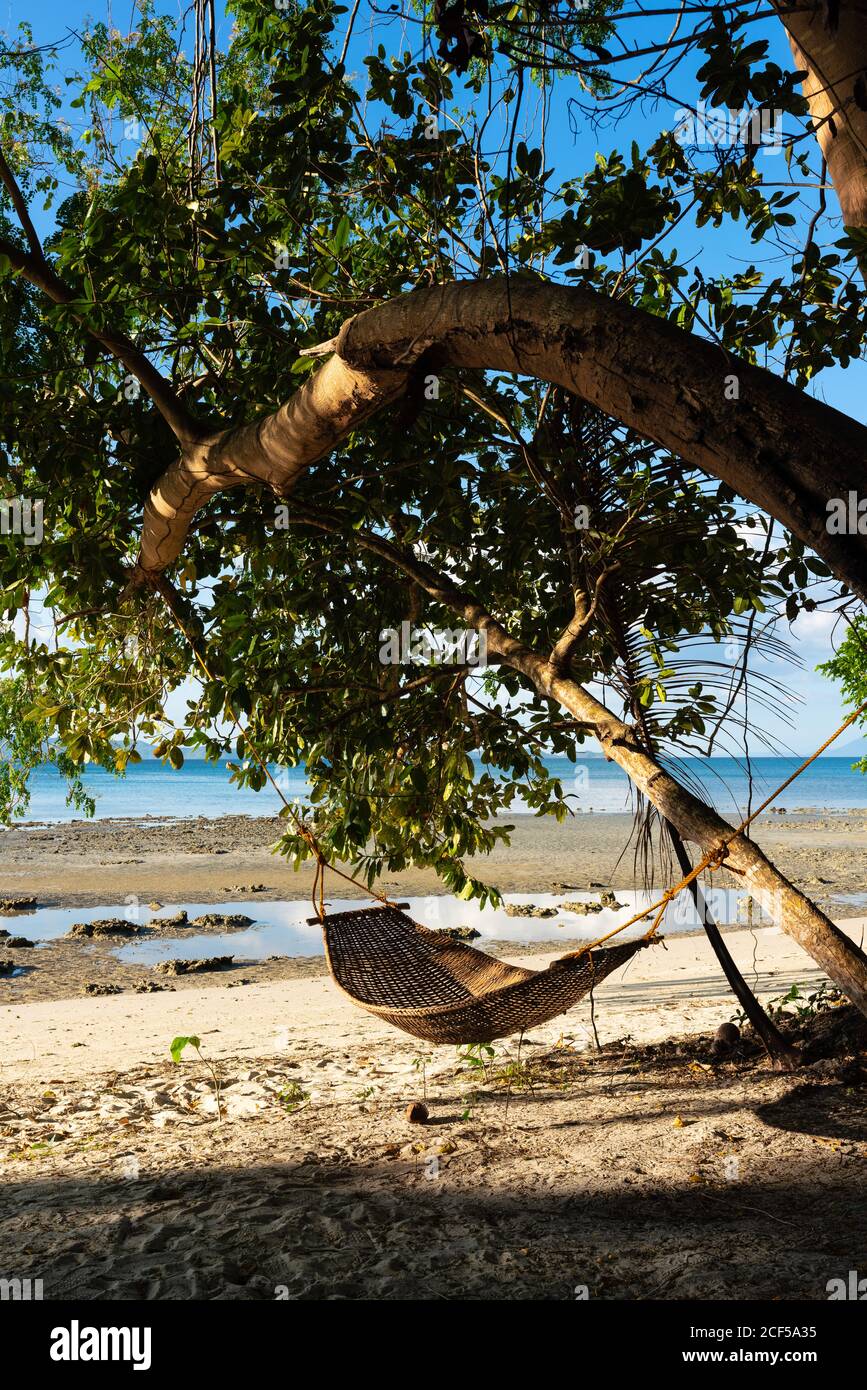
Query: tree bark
{"points": [[782, 449], [834, 57]]}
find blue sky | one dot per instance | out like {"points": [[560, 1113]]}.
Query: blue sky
{"points": [[571, 152]]}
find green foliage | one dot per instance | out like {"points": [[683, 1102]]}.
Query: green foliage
{"points": [[179, 1045], [293, 1097], [799, 1004], [23, 748], [332, 197], [803, 1006], [477, 1056], [849, 667], [177, 1048], [731, 76]]}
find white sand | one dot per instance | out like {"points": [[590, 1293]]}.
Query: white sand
{"points": [[629, 1175], [671, 989]]}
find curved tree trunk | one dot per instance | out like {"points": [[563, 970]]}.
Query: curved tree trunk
{"points": [[839, 957], [782, 449], [843, 961], [833, 53]]}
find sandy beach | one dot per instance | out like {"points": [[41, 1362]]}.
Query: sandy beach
{"points": [[649, 1169], [637, 1172]]}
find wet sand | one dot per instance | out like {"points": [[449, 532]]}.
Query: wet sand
{"points": [[112, 863], [83, 863]]}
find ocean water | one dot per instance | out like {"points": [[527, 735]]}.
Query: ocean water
{"points": [[204, 789]]}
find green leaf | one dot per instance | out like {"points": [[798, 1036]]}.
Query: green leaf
{"points": [[178, 1046], [341, 235]]}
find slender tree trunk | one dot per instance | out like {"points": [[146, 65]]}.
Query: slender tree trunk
{"points": [[694, 821], [839, 957], [785, 1057]]}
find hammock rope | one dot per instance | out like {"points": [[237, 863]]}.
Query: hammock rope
{"points": [[440, 989]]}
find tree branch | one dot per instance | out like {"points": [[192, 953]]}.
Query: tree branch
{"points": [[18, 202], [780, 448], [580, 625], [35, 268]]}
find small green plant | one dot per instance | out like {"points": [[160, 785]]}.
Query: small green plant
{"points": [[293, 1097], [365, 1093], [507, 1073], [515, 1075], [472, 1102], [477, 1056], [419, 1066], [796, 1004], [177, 1049]]}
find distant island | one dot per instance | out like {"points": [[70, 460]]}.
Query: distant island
{"points": [[854, 749]]}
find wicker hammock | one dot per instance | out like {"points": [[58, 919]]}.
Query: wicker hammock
{"points": [[440, 990]]}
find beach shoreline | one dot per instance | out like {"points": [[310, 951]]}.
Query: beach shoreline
{"points": [[675, 986], [84, 863], [122, 1181], [130, 868]]}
